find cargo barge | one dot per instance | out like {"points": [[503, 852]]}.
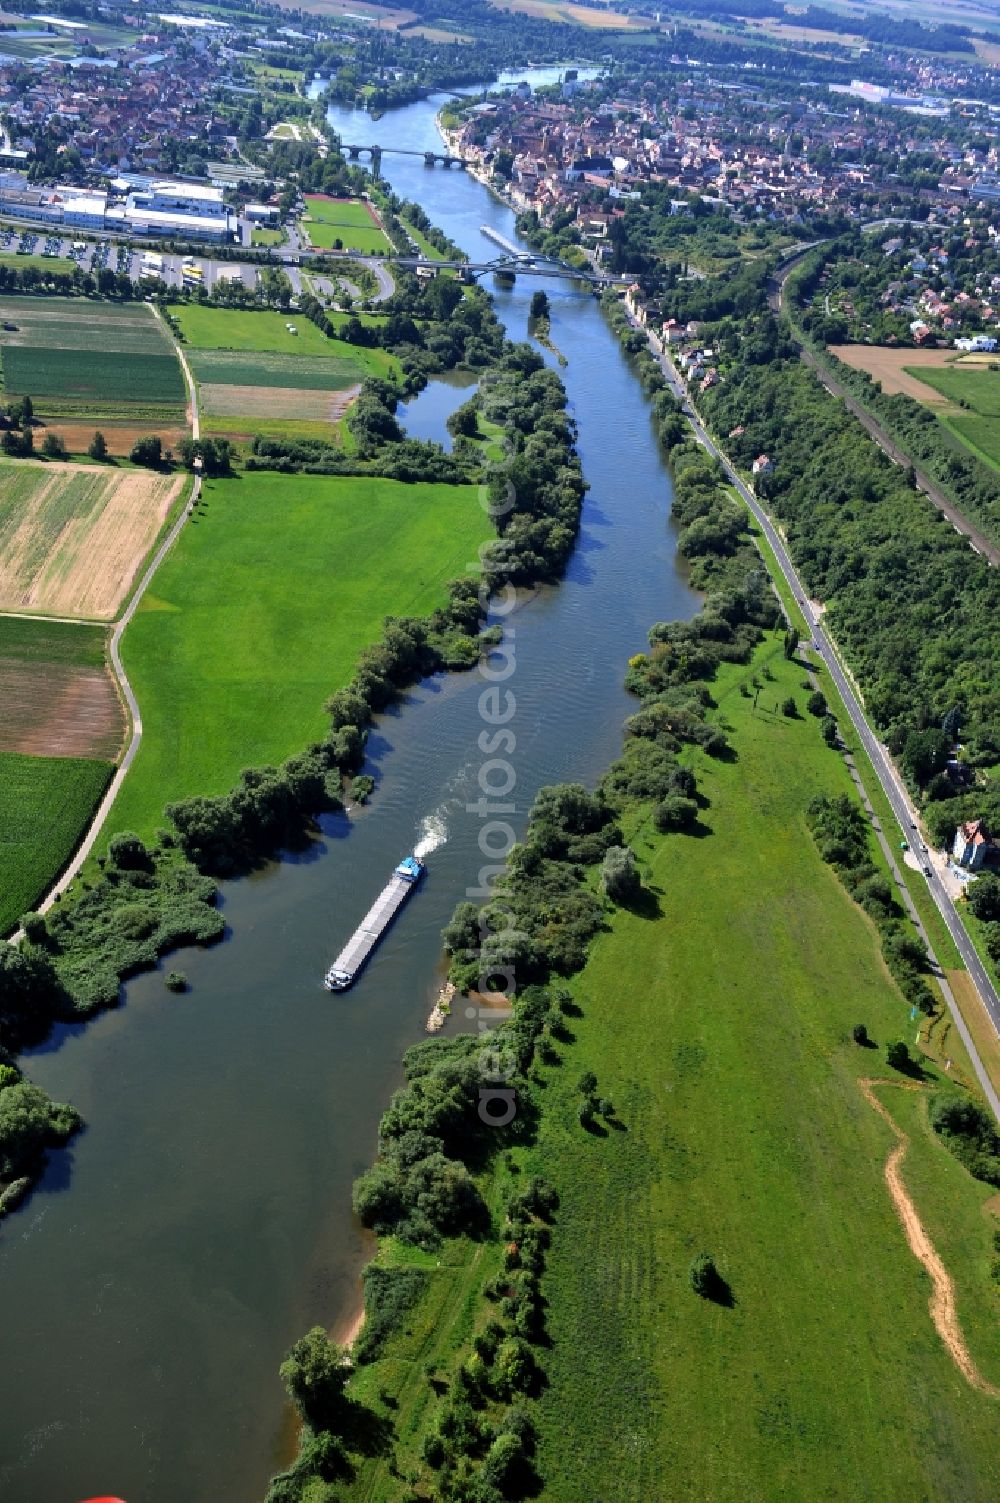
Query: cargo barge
{"points": [[376, 921]]}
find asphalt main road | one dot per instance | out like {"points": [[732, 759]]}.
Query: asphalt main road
{"points": [[885, 771]]}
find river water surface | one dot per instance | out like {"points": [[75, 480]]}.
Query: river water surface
{"points": [[202, 1222]]}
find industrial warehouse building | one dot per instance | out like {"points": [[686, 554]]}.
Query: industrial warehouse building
{"points": [[162, 209]]}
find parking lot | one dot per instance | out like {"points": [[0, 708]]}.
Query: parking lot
{"points": [[133, 260]]}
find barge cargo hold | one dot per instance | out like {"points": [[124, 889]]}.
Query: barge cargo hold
{"points": [[374, 924]]}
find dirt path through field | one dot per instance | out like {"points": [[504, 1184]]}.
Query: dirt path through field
{"points": [[944, 1312]]}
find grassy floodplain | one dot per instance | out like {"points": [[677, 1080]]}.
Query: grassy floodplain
{"points": [[721, 1030], [259, 614], [205, 328]]}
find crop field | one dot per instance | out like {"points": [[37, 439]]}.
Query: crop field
{"points": [[391, 17], [67, 323], [592, 16], [241, 429], [45, 803], [718, 1021], [57, 693], [99, 376], [61, 726], [77, 357], [227, 368], [349, 220], [312, 404], [72, 537], [259, 614]]}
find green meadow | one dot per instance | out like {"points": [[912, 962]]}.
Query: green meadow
{"points": [[259, 614], [975, 391], [205, 328], [259, 349], [718, 1021]]}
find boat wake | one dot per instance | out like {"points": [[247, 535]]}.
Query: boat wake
{"points": [[433, 833]]}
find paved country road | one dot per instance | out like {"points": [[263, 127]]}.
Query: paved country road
{"points": [[885, 771]]}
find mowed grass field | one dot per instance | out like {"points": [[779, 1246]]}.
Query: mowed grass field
{"points": [[45, 803], [72, 537], [259, 614], [205, 328], [978, 424], [74, 356], [349, 220], [720, 1027]]}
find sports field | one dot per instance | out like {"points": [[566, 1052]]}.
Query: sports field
{"points": [[82, 357], [720, 1028], [977, 422], [72, 537], [259, 614], [45, 803], [349, 220]]}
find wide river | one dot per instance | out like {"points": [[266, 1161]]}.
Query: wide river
{"points": [[203, 1221]]}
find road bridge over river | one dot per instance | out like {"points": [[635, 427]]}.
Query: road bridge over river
{"points": [[376, 152]]}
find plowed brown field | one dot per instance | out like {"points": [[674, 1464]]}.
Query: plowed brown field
{"points": [[59, 710], [220, 400], [119, 437], [888, 367]]}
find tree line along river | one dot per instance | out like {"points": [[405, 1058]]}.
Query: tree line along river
{"points": [[203, 1222]]}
